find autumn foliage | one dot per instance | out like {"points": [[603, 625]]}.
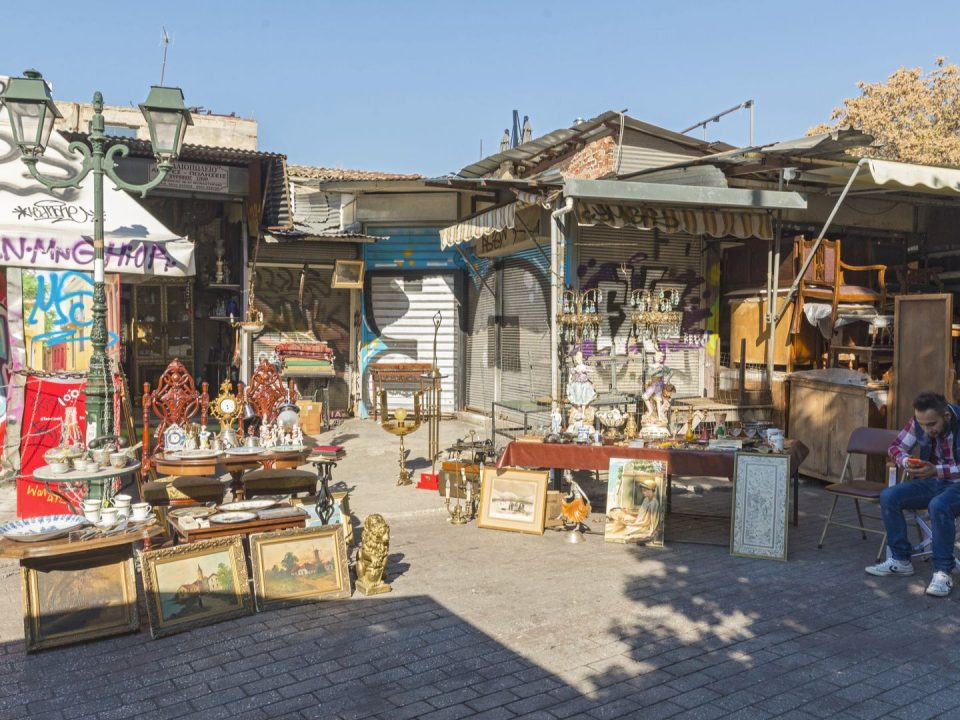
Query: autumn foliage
{"points": [[914, 117]]}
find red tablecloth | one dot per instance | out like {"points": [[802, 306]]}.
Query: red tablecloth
{"points": [[684, 463]]}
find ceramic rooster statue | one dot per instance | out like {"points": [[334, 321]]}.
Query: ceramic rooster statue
{"points": [[574, 509]]}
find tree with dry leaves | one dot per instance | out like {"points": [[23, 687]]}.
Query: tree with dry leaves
{"points": [[914, 117]]}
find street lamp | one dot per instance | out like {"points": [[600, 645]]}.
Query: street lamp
{"points": [[32, 116]]}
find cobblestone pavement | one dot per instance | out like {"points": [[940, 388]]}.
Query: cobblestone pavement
{"points": [[493, 624]]}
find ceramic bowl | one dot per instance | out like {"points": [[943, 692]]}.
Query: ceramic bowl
{"points": [[118, 460], [58, 468]]}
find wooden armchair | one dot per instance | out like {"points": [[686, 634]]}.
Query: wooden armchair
{"points": [[174, 400], [824, 280]]}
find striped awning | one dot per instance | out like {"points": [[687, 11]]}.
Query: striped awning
{"points": [[485, 223], [694, 221]]}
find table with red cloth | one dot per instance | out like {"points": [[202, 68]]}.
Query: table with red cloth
{"points": [[681, 462]]}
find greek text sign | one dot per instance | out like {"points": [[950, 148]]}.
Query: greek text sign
{"points": [[195, 177]]}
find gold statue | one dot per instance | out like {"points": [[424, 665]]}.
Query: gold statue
{"points": [[372, 556]]}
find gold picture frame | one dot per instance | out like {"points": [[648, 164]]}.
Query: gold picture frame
{"points": [[299, 565], [73, 599], [348, 274], [513, 499], [194, 585]]}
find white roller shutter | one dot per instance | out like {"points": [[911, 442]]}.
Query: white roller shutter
{"points": [[525, 327], [481, 339], [404, 306]]}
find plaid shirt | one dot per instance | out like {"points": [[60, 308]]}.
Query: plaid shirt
{"points": [[943, 459]]}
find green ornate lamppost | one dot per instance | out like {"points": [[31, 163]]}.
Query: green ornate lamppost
{"points": [[32, 116]]}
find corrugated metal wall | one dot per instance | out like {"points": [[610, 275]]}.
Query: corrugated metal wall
{"points": [[634, 158], [481, 338], [403, 310], [525, 330], [408, 248], [654, 260]]}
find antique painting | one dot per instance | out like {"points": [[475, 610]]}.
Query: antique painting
{"points": [[193, 585], [299, 565], [513, 499], [69, 600], [636, 501], [348, 274], [761, 497]]}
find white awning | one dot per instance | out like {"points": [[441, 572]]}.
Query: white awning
{"points": [[886, 172], [485, 223], [53, 229]]}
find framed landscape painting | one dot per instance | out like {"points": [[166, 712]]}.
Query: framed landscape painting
{"points": [[193, 585], [636, 501], [513, 499], [299, 565], [69, 600], [761, 498]]}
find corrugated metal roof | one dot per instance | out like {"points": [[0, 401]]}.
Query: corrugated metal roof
{"points": [[324, 174], [189, 153], [306, 233], [558, 142], [276, 213]]}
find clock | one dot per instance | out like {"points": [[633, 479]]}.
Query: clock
{"points": [[226, 406], [174, 438]]}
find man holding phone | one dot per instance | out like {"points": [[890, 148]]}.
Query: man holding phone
{"points": [[932, 482]]}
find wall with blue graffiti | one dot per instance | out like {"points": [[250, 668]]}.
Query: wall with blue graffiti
{"points": [[57, 319]]}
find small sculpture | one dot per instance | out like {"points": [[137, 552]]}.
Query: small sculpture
{"points": [[205, 438], [372, 556], [574, 509], [556, 419]]}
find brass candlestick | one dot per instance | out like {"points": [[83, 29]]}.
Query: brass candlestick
{"points": [[400, 425], [462, 511]]}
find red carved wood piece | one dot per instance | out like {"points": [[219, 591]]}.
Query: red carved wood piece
{"points": [[266, 391], [175, 400]]}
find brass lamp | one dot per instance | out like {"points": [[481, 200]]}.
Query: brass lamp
{"points": [[401, 424]]}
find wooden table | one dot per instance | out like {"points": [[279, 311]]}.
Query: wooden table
{"points": [[94, 481], [681, 462], [63, 546], [236, 465], [190, 535]]}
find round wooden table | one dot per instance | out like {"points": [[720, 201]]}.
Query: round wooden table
{"points": [[234, 463]]}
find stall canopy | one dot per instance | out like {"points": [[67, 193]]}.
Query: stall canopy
{"points": [[53, 229]]}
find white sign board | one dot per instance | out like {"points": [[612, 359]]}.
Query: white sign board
{"points": [[195, 177]]}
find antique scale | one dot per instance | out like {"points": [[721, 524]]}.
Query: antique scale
{"points": [[227, 409]]}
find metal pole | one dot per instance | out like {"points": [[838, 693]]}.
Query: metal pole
{"points": [[99, 388]]}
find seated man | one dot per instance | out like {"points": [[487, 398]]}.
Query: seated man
{"points": [[933, 482]]}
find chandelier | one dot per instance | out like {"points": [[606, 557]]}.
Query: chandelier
{"points": [[580, 318], [655, 316]]}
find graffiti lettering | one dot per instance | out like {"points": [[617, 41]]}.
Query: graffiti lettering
{"points": [[52, 251], [53, 211], [60, 303]]}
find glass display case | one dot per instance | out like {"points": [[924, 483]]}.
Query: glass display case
{"points": [[161, 329]]}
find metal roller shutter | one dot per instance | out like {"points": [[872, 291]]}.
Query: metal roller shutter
{"points": [[481, 339], [525, 329], [656, 260], [404, 306]]}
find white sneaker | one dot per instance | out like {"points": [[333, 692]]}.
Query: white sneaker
{"points": [[890, 567], [940, 585]]}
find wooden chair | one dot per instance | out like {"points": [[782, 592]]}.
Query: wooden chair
{"points": [[824, 280], [175, 400], [265, 393], [863, 441]]}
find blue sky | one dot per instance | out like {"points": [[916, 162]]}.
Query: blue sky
{"points": [[415, 86]]}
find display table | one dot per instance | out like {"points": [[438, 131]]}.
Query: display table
{"points": [[94, 482], [189, 535], [680, 462], [234, 464], [81, 590]]}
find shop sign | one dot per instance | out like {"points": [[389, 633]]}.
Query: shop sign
{"points": [[195, 177], [126, 256], [503, 243]]}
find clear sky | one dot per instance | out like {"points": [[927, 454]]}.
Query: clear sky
{"points": [[412, 86]]}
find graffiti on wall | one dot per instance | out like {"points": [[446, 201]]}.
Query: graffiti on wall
{"points": [[118, 256], [58, 319]]}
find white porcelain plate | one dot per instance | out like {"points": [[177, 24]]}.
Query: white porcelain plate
{"points": [[260, 504], [45, 527], [192, 512], [233, 517], [196, 454]]}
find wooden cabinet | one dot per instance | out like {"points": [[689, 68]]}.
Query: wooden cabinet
{"points": [[748, 322], [162, 329], [822, 416]]}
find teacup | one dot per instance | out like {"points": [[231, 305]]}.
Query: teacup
{"points": [[58, 468], [140, 511], [118, 460], [122, 500], [108, 516], [101, 455], [90, 503], [92, 514]]}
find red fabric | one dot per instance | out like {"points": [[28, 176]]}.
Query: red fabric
{"points": [[317, 350], [684, 463]]}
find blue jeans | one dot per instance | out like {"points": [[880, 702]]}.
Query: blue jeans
{"points": [[942, 500]]}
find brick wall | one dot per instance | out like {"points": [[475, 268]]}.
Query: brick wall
{"points": [[594, 160]]}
